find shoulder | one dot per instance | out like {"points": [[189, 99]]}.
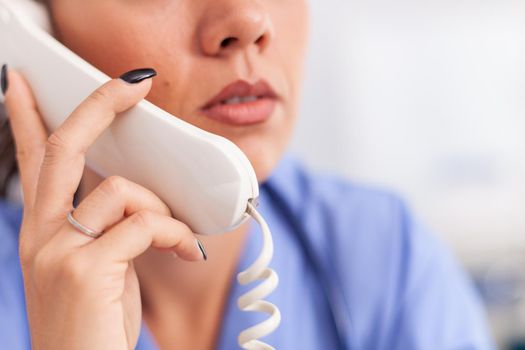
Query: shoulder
{"points": [[354, 215], [342, 209], [301, 185], [13, 322], [404, 289], [368, 233]]}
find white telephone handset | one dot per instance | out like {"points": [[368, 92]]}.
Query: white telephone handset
{"points": [[204, 178], [207, 181]]}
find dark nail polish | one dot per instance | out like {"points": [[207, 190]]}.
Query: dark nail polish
{"points": [[137, 75], [203, 251], [3, 79]]}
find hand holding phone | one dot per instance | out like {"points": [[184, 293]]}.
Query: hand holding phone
{"points": [[75, 284], [204, 178], [171, 167]]}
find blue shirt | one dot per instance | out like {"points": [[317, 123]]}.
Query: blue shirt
{"points": [[402, 289]]}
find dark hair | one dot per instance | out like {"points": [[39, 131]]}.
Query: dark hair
{"points": [[8, 165]]}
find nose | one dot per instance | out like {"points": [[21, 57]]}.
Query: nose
{"points": [[228, 26]]}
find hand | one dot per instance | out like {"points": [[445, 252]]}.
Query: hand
{"points": [[83, 293]]}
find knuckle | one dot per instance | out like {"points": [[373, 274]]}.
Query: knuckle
{"points": [[41, 264], [58, 145], [115, 185], [55, 143], [156, 205], [73, 268], [162, 206], [49, 268], [24, 154], [165, 209], [143, 218], [25, 255], [101, 96]]}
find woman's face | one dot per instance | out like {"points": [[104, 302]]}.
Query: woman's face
{"points": [[232, 67]]}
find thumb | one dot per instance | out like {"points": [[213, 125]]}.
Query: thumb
{"points": [[28, 131]]}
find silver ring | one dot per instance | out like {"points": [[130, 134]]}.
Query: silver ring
{"points": [[83, 229]]}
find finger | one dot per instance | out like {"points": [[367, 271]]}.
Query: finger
{"points": [[64, 159], [142, 230], [115, 198], [29, 133]]}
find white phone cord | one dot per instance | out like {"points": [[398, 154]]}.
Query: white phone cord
{"points": [[253, 299]]}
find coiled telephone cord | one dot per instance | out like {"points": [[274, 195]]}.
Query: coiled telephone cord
{"points": [[253, 299]]}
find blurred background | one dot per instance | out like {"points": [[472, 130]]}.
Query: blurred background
{"points": [[428, 97]]}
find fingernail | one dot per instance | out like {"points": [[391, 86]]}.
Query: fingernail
{"points": [[137, 75], [201, 248], [3, 78]]}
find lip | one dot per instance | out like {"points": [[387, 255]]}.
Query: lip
{"points": [[243, 113]]}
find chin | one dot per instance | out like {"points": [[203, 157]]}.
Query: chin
{"points": [[265, 148], [263, 153], [264, 165]]}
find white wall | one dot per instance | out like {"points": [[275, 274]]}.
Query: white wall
{"points": [[428, 97]]}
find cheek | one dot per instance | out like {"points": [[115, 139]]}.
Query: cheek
{"points": [[291, 37], [116, 44], [291, 32], [113, 44]]}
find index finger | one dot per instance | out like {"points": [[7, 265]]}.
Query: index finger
{"points": [[64, 160]]}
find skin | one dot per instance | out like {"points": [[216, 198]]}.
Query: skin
{"points": [[84, 293]]}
